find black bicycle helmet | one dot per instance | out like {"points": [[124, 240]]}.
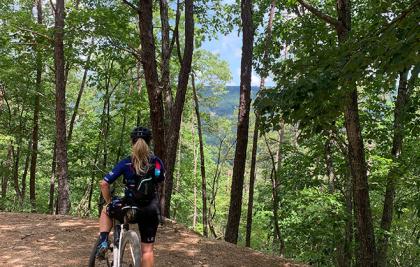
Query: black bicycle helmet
{"points": [[141, 132]]}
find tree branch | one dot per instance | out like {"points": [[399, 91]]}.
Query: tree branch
{"points": [[34, 32], [334, 22], [136, 8], [175, 32], [53, 7], [131, 50]]}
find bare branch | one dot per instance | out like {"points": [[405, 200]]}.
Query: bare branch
{"points": [[175, 32], [136, 8], [52, 6], [334, 22]]}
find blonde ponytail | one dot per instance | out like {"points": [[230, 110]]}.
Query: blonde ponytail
{"points": [[140, 155]]}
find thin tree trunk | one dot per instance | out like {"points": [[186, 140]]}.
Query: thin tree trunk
{"points": [[92, 182], [35, 130], [194, 173], [105, 131], [8, 166], [235, 205], [52, 179], [255, 137], [79, 97], [176, 114], [16, 172], [252, 177], [63, 186], [213, 186], [122, 135], [348, 236], [25, 171], [178, 175], [166, 56], [329, 165], [202, 168], [102, 136], [393, 174], [275, 187]]}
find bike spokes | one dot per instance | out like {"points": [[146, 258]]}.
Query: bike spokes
{"points": [[128, 259]]}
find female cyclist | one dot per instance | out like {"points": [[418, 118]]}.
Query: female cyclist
{"points": [[140, 164]]}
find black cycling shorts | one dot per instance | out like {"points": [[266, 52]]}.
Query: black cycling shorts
{"points": [[148, 221]]}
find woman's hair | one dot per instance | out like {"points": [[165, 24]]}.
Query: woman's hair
{"points": [[140, 155]]}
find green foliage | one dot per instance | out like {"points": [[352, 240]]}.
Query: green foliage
{"points": [[308, 65]]}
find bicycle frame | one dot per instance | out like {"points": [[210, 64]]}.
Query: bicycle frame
{"points": [[119, 229]]}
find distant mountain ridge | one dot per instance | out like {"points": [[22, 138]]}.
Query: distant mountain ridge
{"points": [[228, 105]]}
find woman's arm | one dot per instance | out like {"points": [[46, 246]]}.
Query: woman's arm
{"points": [[110, 178], [106, 193]]}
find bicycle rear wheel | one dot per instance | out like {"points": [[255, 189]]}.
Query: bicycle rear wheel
{"points": [[130, 250], [95, 262]]}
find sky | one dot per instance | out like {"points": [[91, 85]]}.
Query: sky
{"points": [[229, 48]]}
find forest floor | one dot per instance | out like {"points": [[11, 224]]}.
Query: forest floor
{"points": [[50, 240]]}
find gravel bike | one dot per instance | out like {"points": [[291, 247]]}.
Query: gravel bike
{"points": [[124, 248]]}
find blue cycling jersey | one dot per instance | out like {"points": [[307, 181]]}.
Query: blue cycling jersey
{"points": [[125, 168]]}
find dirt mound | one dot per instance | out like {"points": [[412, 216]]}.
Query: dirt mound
{"points": [[47, 240]]}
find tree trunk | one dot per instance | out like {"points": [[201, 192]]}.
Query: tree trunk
{"points": [[329, 165], [255, 137], [252, 177], [178, 174], [165, 61], [35, 129], [154, 91], [194, 173], [79, 97], [122, 136], [16, 172], [106, 125], [345, 248], [235, 205], [25, 171], [202, 169], [360, 182], [275, 187], [356, 153], [63, 186], [176, 114], [7, 166], [393, 174], [52, 179], [102, 136]]}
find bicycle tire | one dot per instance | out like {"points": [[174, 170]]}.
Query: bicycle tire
{"points": [[130, 238], [93, 261]]}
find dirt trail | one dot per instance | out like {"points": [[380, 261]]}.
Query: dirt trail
{"points": [[47, 240]]}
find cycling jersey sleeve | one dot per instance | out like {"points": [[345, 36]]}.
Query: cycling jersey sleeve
{"points": [[116, 171]]}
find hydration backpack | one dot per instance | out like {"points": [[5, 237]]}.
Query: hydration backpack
{"points": [[142, 190]]}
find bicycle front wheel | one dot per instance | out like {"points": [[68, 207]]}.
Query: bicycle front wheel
{"points": [[95, 262], [130, 250]]}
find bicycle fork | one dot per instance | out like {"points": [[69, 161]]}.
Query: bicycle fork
{"points": [[119, 231]]}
